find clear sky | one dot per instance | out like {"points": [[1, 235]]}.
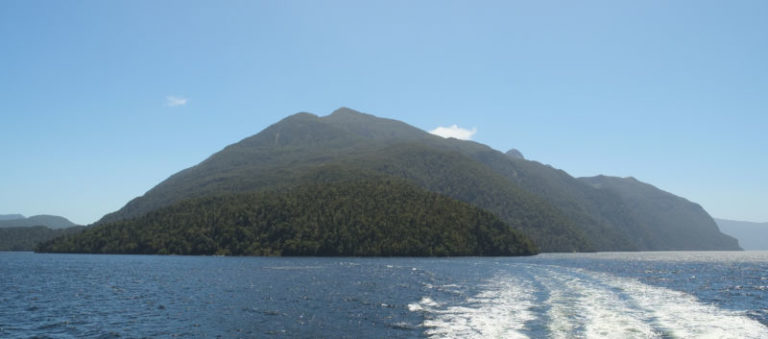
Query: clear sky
{"points": [[101, 100]]}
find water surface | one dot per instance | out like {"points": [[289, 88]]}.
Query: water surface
{"points": [[617, 295]]}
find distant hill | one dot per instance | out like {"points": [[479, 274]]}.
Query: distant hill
{"points": [[11, 216], [28, 237], [751, 235], [557, 211], [50, 221]]}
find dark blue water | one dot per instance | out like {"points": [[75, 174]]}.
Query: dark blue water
{"points": [[618, 295]]}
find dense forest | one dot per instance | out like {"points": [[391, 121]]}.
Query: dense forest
{"points": [[372, 217], [26, 238]]}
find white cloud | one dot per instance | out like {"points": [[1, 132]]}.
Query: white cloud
{"points": [[173, 101], [454, 131]]}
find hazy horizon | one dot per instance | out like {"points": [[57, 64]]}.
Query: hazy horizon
{"points": [[103, 100]]}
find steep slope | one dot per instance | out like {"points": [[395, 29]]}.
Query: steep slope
{"points": [[752, 236], [355, 218], [663, 221], [50, 221], [258, 162]]}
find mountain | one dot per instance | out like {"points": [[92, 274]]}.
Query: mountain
{"points": [[752, 236], [50, 221], [371, 217], [557, 211], [661, 220], [11, 216], [285, 152], [28, 237]]}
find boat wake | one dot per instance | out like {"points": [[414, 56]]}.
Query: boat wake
{"points": [[535, 301]]}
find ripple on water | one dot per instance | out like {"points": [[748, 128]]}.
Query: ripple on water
{"points": [[543, 296]]}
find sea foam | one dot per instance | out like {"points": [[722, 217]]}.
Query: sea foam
{"points": [[580, 304]]}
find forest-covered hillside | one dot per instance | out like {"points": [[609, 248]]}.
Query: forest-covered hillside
{"points": [[355, 218]]}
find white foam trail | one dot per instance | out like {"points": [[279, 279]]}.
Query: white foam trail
{"points": [[682, 315], [498, 312], [582, 304], [579, 307], [425, 304]]}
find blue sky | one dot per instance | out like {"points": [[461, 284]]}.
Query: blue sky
{"points": [[101, 100]]}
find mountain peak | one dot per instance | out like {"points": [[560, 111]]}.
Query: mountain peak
{"points": [[343, 110], [372, 127], [514, 154], [300, 115], [346, 114]]}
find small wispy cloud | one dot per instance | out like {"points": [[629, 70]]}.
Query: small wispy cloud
{"points": [[173, 101], [454, 131]]}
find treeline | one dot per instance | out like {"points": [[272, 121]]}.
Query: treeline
{"points": [[26, 238], [382, 217]]}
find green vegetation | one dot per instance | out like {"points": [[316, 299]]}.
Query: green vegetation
{"points": [[372, 217], [26, 238]]}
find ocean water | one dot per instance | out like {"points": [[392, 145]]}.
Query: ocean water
{"points": [[598, 295]]}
